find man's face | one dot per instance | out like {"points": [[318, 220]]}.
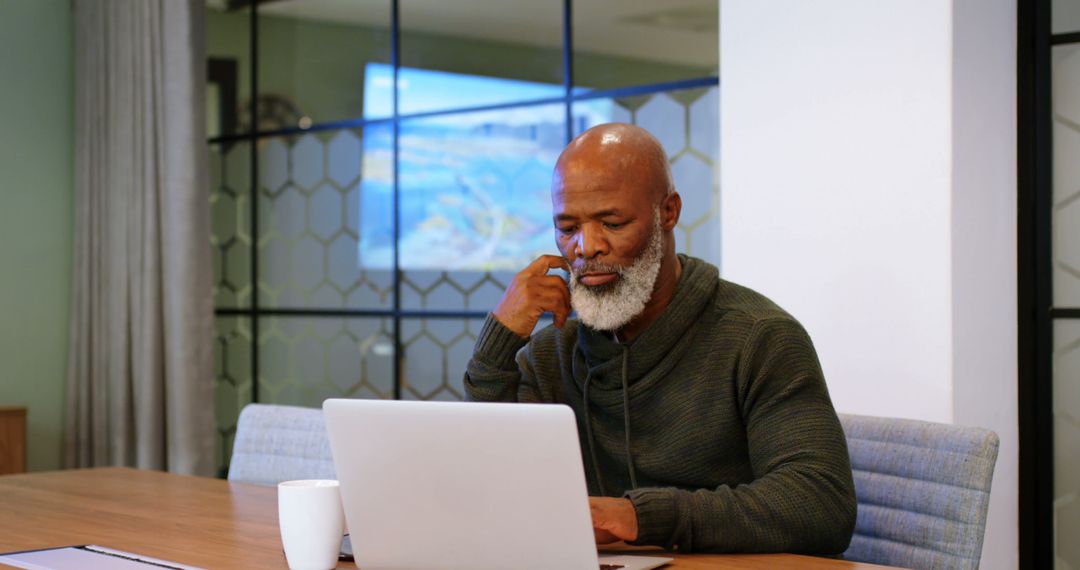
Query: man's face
{"points": [[603, 220], [607, 225]]}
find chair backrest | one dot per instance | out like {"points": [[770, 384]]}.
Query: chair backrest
{"points": [[280, 443], [923, 490]]}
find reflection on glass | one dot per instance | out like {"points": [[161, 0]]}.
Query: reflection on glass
{"points": [[460, 290], [1066, 187], [686, 123], [230, 210], [475, 190], [618, 43], [517, 40], [229, 68], [1066, 16], [313, 205], [232, 381], [312, 55], [1067, 440], [1066, 286], [304, 360], [423, 91], [436, 352]]}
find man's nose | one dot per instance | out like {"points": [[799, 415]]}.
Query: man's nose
{"points": [[590, 243]]}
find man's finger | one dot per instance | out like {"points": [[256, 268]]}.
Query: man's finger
{"points": [[561, 316], [554, 282], [555, 303], [556, 293], [604, 537], [542, 264], [567, 308]]}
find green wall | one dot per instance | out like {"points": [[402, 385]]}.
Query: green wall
{"points": [[36, 154]]}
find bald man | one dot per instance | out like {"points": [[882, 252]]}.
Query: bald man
{"points": [[704, 418]]}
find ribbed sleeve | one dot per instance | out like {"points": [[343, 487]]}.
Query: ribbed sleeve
{"points": [[655, 512], [492, 374], [497, 345]]}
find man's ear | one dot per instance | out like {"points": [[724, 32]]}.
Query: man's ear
{"points": [[670, 209]]}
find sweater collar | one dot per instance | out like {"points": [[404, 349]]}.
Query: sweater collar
{"points": [[603, 356]]}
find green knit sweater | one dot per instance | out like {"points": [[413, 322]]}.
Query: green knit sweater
{"points": [[725, 438]]}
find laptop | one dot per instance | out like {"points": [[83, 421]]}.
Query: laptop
{"points": [[449, 486]]}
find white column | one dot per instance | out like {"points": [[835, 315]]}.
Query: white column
{"points": [[984, 288], [868, 186], [835, 186]]}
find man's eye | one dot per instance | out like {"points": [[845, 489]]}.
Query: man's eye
{"points": [[614, 225], [567, 230]]}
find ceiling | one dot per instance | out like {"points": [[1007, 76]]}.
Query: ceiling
{"points": [[668, 31]]}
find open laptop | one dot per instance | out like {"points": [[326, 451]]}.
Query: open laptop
{"points": [[446, 486]]}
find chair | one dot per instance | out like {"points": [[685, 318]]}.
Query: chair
{"points": [[280, 443], [922, 490]]}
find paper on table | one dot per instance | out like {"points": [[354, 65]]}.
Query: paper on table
{"points": [[634, 562], [90, 557]]}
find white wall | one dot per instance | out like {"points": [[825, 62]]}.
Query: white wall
{"points": [[868, 186], [984, 289], [835, 177]]}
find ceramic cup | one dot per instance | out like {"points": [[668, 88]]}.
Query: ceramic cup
{"points": [[312, 522]]}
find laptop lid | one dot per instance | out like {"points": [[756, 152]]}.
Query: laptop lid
{"points": [[439, 485]]}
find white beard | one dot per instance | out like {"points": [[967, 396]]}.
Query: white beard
{"points": [[611, 308]]}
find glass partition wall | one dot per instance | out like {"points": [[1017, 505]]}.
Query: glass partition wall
{"points": [[380, 170], [1049, 282], [1065, 280]]}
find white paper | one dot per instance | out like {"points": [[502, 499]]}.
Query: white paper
{"points": [[90, 557]]}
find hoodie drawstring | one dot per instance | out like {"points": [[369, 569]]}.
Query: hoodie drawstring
{"points": [[589, 436], [626, 415], [626, 425]]}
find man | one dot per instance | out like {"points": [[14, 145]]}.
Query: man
{"points": [[704, 419]]}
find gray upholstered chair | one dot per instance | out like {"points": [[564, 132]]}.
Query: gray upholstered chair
{"points": [[923, 490], [280, 443]]}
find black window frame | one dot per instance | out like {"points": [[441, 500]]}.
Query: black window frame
{"points": [[254, 312], [1037, 311]]}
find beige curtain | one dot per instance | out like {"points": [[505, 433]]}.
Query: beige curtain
{"points": [[140, 366]]}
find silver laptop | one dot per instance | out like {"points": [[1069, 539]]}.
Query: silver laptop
{"points": [[442, 486]]}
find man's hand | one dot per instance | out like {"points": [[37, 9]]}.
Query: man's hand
{"points": [[613, 519], [532, 293]]}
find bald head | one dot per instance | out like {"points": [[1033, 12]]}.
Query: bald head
{"points": [[615, 211], [616, 152]]}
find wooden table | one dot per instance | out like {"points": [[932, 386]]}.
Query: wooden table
{"points": [[204, 522], [12, 439]]}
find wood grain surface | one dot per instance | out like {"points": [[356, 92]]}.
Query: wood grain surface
{"points": [[12, 439], [207, 522]]}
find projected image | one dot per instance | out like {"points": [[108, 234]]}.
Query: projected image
{"points": [[474, 186]]}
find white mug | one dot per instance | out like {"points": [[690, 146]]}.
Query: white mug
{"points": [[312, 523]]}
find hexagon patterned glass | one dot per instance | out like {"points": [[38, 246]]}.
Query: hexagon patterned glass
{"points": [[230, 238], [305, 360], [435, 352], [1066, 194], [317, 191], [1066, 286], [1067, 442], [475, 208], [232, 379]]}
